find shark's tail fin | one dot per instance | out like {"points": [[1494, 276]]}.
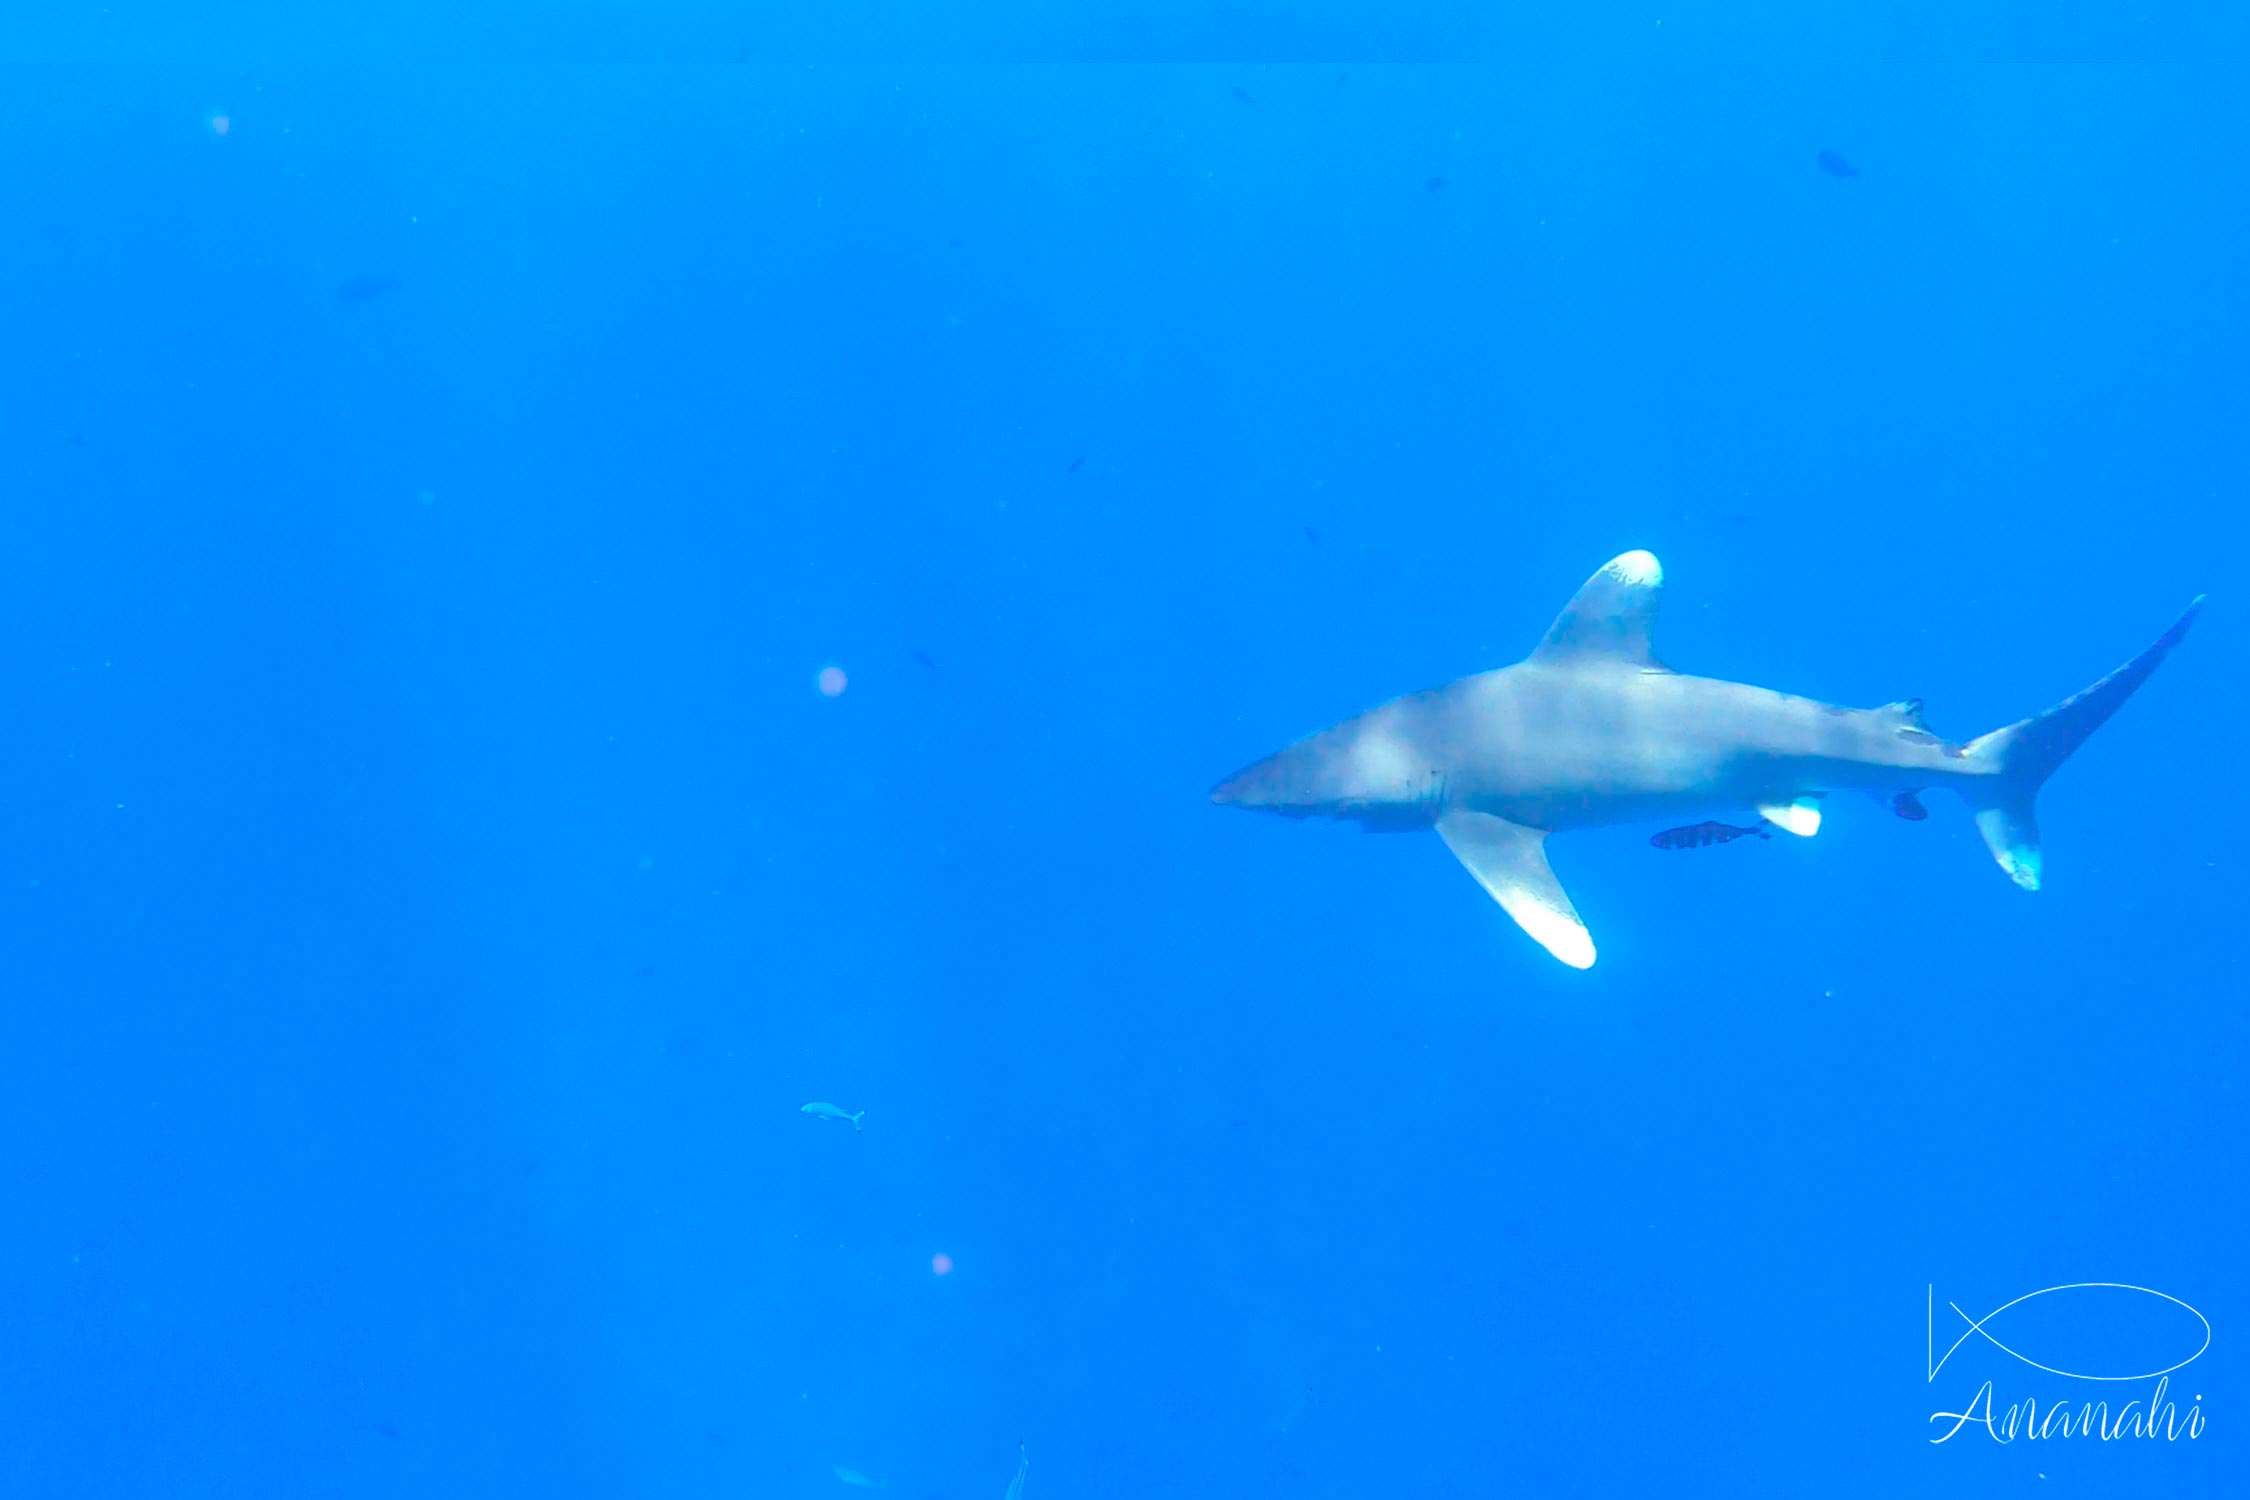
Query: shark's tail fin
{"points": [[2019, 759], [857, 1118]]}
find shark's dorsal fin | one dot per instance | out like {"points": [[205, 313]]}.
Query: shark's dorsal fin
{"points": [[1510, 862], [1613, 618], [1905, 714]]}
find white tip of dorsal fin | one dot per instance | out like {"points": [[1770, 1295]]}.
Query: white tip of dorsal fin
{"points": [[1612, 617], [1801, 817], [1637, 567]]}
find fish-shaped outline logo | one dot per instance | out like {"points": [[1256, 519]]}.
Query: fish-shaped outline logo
{"points": [[1977, 1326]]}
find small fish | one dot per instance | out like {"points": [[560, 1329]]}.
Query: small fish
{"points": [[853, 1477], [1242, 95], [1342, 79], [1697, 835], [926, 660], [1312, 536], [1835, 166], [1076, 464], [821, 1111], [1435, 184], [1909, 807], [1023, 1471]]}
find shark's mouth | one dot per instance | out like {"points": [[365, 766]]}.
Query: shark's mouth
{"points": [[1299, 783]]}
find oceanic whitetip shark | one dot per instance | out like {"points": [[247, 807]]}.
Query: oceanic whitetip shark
{"points": [[1593, 729]]}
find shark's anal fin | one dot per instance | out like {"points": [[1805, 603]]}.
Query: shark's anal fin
{"points": [[1801, 817], [1510, 862], [1612, 617]]}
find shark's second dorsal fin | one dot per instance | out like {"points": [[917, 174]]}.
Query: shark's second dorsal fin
{"points": [[1613, 618], [1905, 719]]}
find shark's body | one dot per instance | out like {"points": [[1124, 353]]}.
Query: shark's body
{"points": [[820, 1111], [1592, 729]]}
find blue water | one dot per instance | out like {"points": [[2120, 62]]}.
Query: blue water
{"points": [[433, 878]]}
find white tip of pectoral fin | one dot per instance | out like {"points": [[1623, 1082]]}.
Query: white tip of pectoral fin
{"points": [[1801, 817], [1510, 862], [1559, 931]]}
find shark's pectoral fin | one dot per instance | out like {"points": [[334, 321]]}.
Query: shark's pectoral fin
{"points": [[1801, 817], [1510, 862]]}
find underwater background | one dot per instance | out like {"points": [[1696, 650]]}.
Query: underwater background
{"points": [[557, 614]]}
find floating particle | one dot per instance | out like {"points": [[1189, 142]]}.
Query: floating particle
{"points": [[831, 682]]}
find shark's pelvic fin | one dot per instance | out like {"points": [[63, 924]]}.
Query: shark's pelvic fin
{"points": [[2024, 754], [1510, 862], [1801, 817], [1612, 618]]}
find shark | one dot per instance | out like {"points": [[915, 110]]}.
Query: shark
{"points": [[1592, 729]]}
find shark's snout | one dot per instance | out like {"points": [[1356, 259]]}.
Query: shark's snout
{"points": [[1360, 769], [1258, 785]]}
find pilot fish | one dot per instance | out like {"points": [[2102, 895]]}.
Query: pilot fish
{"points": [[1696, 835]]}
